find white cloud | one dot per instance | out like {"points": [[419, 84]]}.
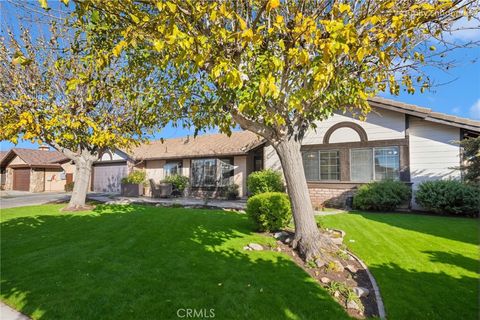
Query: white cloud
{"points": [[456, 110], [475, 110], [464, 30]]}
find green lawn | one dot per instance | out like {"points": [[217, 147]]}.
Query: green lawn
{"points": [[426, 266], [138, 262]]}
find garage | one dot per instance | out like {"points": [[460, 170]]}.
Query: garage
{"points": [[21, 179], [108, 177]]}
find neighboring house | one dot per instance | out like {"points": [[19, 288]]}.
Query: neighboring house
{"points": [[2, 170], [36, 170]]}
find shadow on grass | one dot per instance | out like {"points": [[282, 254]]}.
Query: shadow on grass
{"points": [[454, 259], [410, 294], [139, 262], [429, 224]]}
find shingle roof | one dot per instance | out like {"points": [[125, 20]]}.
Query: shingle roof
{"points": [[34, 157], [425, 113], [2, 154], [209, 145]]}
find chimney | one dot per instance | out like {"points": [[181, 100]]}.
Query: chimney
{"points": [[44, 147]]}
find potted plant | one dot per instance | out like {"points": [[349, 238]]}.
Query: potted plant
{"points": [[132, 185], [178, 182]]}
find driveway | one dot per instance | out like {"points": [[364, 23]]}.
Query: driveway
{"points": [[12, 199]]}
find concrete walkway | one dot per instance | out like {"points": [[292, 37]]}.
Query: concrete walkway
{"points": [[7, 313], [185, 202]]}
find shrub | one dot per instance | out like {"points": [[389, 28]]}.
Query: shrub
{"points": [[270, 211], [449, 197], [69, 186], [135, 177], [381, 195], [178, 181], [231, 191], [265, 181]]}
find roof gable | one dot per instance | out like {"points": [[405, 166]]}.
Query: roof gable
{"points": [[34, 157]]}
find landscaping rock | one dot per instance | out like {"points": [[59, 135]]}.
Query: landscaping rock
{"points": [[324, 280], [247, 248], [280, 235], [288, 240], [255, 246], [320, 262], [353, 305], [361, 292], [351, 268], [336, 294]]}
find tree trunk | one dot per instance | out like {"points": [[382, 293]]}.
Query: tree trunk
{"points": [[308, 239], [83, 169]]}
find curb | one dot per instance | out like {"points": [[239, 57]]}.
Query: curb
{"points": [[376, 289]]}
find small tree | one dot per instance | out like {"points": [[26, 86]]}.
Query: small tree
{"points": [[276, 67], [52, 90]]}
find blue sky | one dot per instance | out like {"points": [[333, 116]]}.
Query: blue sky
{"points": [[457, 92]]}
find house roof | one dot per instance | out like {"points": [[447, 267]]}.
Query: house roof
{"points": [[2, 154], [425, 113], [34, 157], [209, 145]]}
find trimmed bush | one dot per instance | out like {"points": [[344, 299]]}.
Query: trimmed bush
{"points": [[381, 195], [265, 181], [135, 177], [178, 181], [270, 211], [449, 197]]}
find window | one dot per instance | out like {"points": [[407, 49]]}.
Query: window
{"points": [[387, 163], [172, 168], [211, 172], [374, 164], [321, 165], [361, 168]]}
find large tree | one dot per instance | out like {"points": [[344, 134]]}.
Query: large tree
{"points": [[276, 67], [53, 90]]}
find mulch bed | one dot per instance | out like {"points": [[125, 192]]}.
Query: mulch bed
{"points": [[359, 278]]}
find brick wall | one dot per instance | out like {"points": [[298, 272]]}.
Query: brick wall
{"points": [[335, 198]]}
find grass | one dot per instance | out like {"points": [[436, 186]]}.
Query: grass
{"points": [[426, 266], [140, 262]]}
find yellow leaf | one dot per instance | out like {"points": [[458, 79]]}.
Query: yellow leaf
{"points": [[65, 2], [118, 48], [272, 4], [43, 4], [262, 88], [279, 19], [243, 24], [360, 53], [134, 18], [159, 45], [344, 7], [172, 6]]}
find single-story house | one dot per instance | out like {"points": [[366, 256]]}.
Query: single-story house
{"points": [[35, 170], [396, 141]]}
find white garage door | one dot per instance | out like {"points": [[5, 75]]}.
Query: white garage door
{"points": [[107, 177]]}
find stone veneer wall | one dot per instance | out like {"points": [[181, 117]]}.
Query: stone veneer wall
{"points": [[330, 197], [37, 180]]}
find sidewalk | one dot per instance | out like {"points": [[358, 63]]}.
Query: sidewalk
{"points": [[7, 313]]}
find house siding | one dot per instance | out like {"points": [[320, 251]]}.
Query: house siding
{"points": [[379, 125], [433, 152]]}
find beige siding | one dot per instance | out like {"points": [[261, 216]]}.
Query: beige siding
{"points": [[17, 160], [344, 134], [154, 169], [433, 152], [240, 174], [379, 126], [53, 181], [186, 168]]}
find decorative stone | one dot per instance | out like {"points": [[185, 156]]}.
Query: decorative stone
{"points": [[288, 240], [319, 262], [255, 246], [336, 294], [279, 249], [280, 235], [352, 305], [247, 248], [351, 268], [324, 280], [361, 292]]}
